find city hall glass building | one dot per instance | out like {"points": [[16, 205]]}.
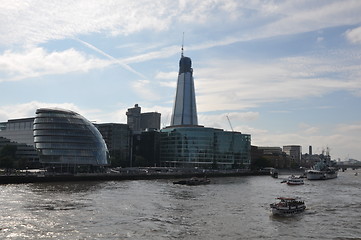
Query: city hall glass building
{"points": [[63, 137]]}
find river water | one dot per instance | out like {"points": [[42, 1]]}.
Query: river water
{"points": [[228, 208]]}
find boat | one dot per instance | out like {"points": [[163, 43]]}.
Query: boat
{"points": [[329, 173], [274, 172], [287, 206], [295, 181], [323, 169], [193, 181]]}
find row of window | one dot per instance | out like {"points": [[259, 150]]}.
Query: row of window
{"points": [[60, 132], [64, 126], [67, 137]]}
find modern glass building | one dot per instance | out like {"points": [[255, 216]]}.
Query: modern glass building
{"points": [[118, 139], [185, 108], [65, 137], [204, 147]]}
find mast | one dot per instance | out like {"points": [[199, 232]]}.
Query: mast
{"points": [[182, 45]]}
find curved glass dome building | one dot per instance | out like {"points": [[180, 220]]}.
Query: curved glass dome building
{"points": [[65, 137]]}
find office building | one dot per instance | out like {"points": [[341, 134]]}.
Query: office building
{"points": [[139, 122], [184, 109], [117, 137], [19, 132], [294, 151], [133, 118], [204, 147], [150, 120]]}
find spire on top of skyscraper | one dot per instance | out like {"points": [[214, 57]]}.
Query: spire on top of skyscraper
{"points": [[182, 45]]}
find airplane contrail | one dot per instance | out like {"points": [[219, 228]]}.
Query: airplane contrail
{"points": [[123, 65]]}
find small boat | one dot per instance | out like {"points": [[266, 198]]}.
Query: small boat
{"points": [[274, 172], [295, 181], [193, 181], [287, 207]]}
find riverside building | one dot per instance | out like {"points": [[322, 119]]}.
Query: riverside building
{"points": [[19, 132], [117, 137], [67, 142], [186, 144]]}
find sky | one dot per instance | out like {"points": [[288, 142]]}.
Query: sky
{"points": [[285, 72]]}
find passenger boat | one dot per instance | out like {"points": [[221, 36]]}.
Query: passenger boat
{"points": [[287, 207], [295, 181], [193, 181]]}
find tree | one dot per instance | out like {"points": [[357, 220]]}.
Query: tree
{"points": [[260, 163], [8, 156]]}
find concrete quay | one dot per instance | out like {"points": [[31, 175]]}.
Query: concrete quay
{"points": [[121, 176]]}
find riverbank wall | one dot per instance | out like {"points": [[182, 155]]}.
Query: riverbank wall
{"points": [[18, 179]]}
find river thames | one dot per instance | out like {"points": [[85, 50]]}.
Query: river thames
{"points": [[228, 208]]}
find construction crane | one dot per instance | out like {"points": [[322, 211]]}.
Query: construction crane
{"points": [[229, 121]]}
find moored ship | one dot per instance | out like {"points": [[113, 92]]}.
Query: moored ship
{"points": [[323, 170]]}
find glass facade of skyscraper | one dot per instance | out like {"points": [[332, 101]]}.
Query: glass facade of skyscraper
{"points": [[65, 137], [204, 147]]}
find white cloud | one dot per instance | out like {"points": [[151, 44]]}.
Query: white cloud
{"points": [[304, 16], [36, 62], [349, 129], [354, 35], [33, 22], [221, 121], [306, 129], [235, 84], [26, 110], [144, 91]]}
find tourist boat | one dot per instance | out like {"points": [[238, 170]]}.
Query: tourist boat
{"points": [[193, 181], [287, 207], [295, 181]]}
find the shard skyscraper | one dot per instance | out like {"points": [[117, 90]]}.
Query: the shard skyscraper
{"points": [[184, 109]]}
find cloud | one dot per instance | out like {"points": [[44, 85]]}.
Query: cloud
{"points": [[236, 84], [304, 16], [354, 35], [26, 110], [144, 91], [221, 121], [36, 62], [349, 128], [33, 22], [307, 129]]}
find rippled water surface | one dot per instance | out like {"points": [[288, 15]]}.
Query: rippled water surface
{"points": [[228, 208]]}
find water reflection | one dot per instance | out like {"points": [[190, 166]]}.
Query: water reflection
{"points": [[65, 187]]}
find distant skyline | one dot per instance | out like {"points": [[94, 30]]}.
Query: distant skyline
{"points": [[286, 72]]}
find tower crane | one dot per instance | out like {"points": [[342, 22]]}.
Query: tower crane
{"points": [[229, 121]]}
